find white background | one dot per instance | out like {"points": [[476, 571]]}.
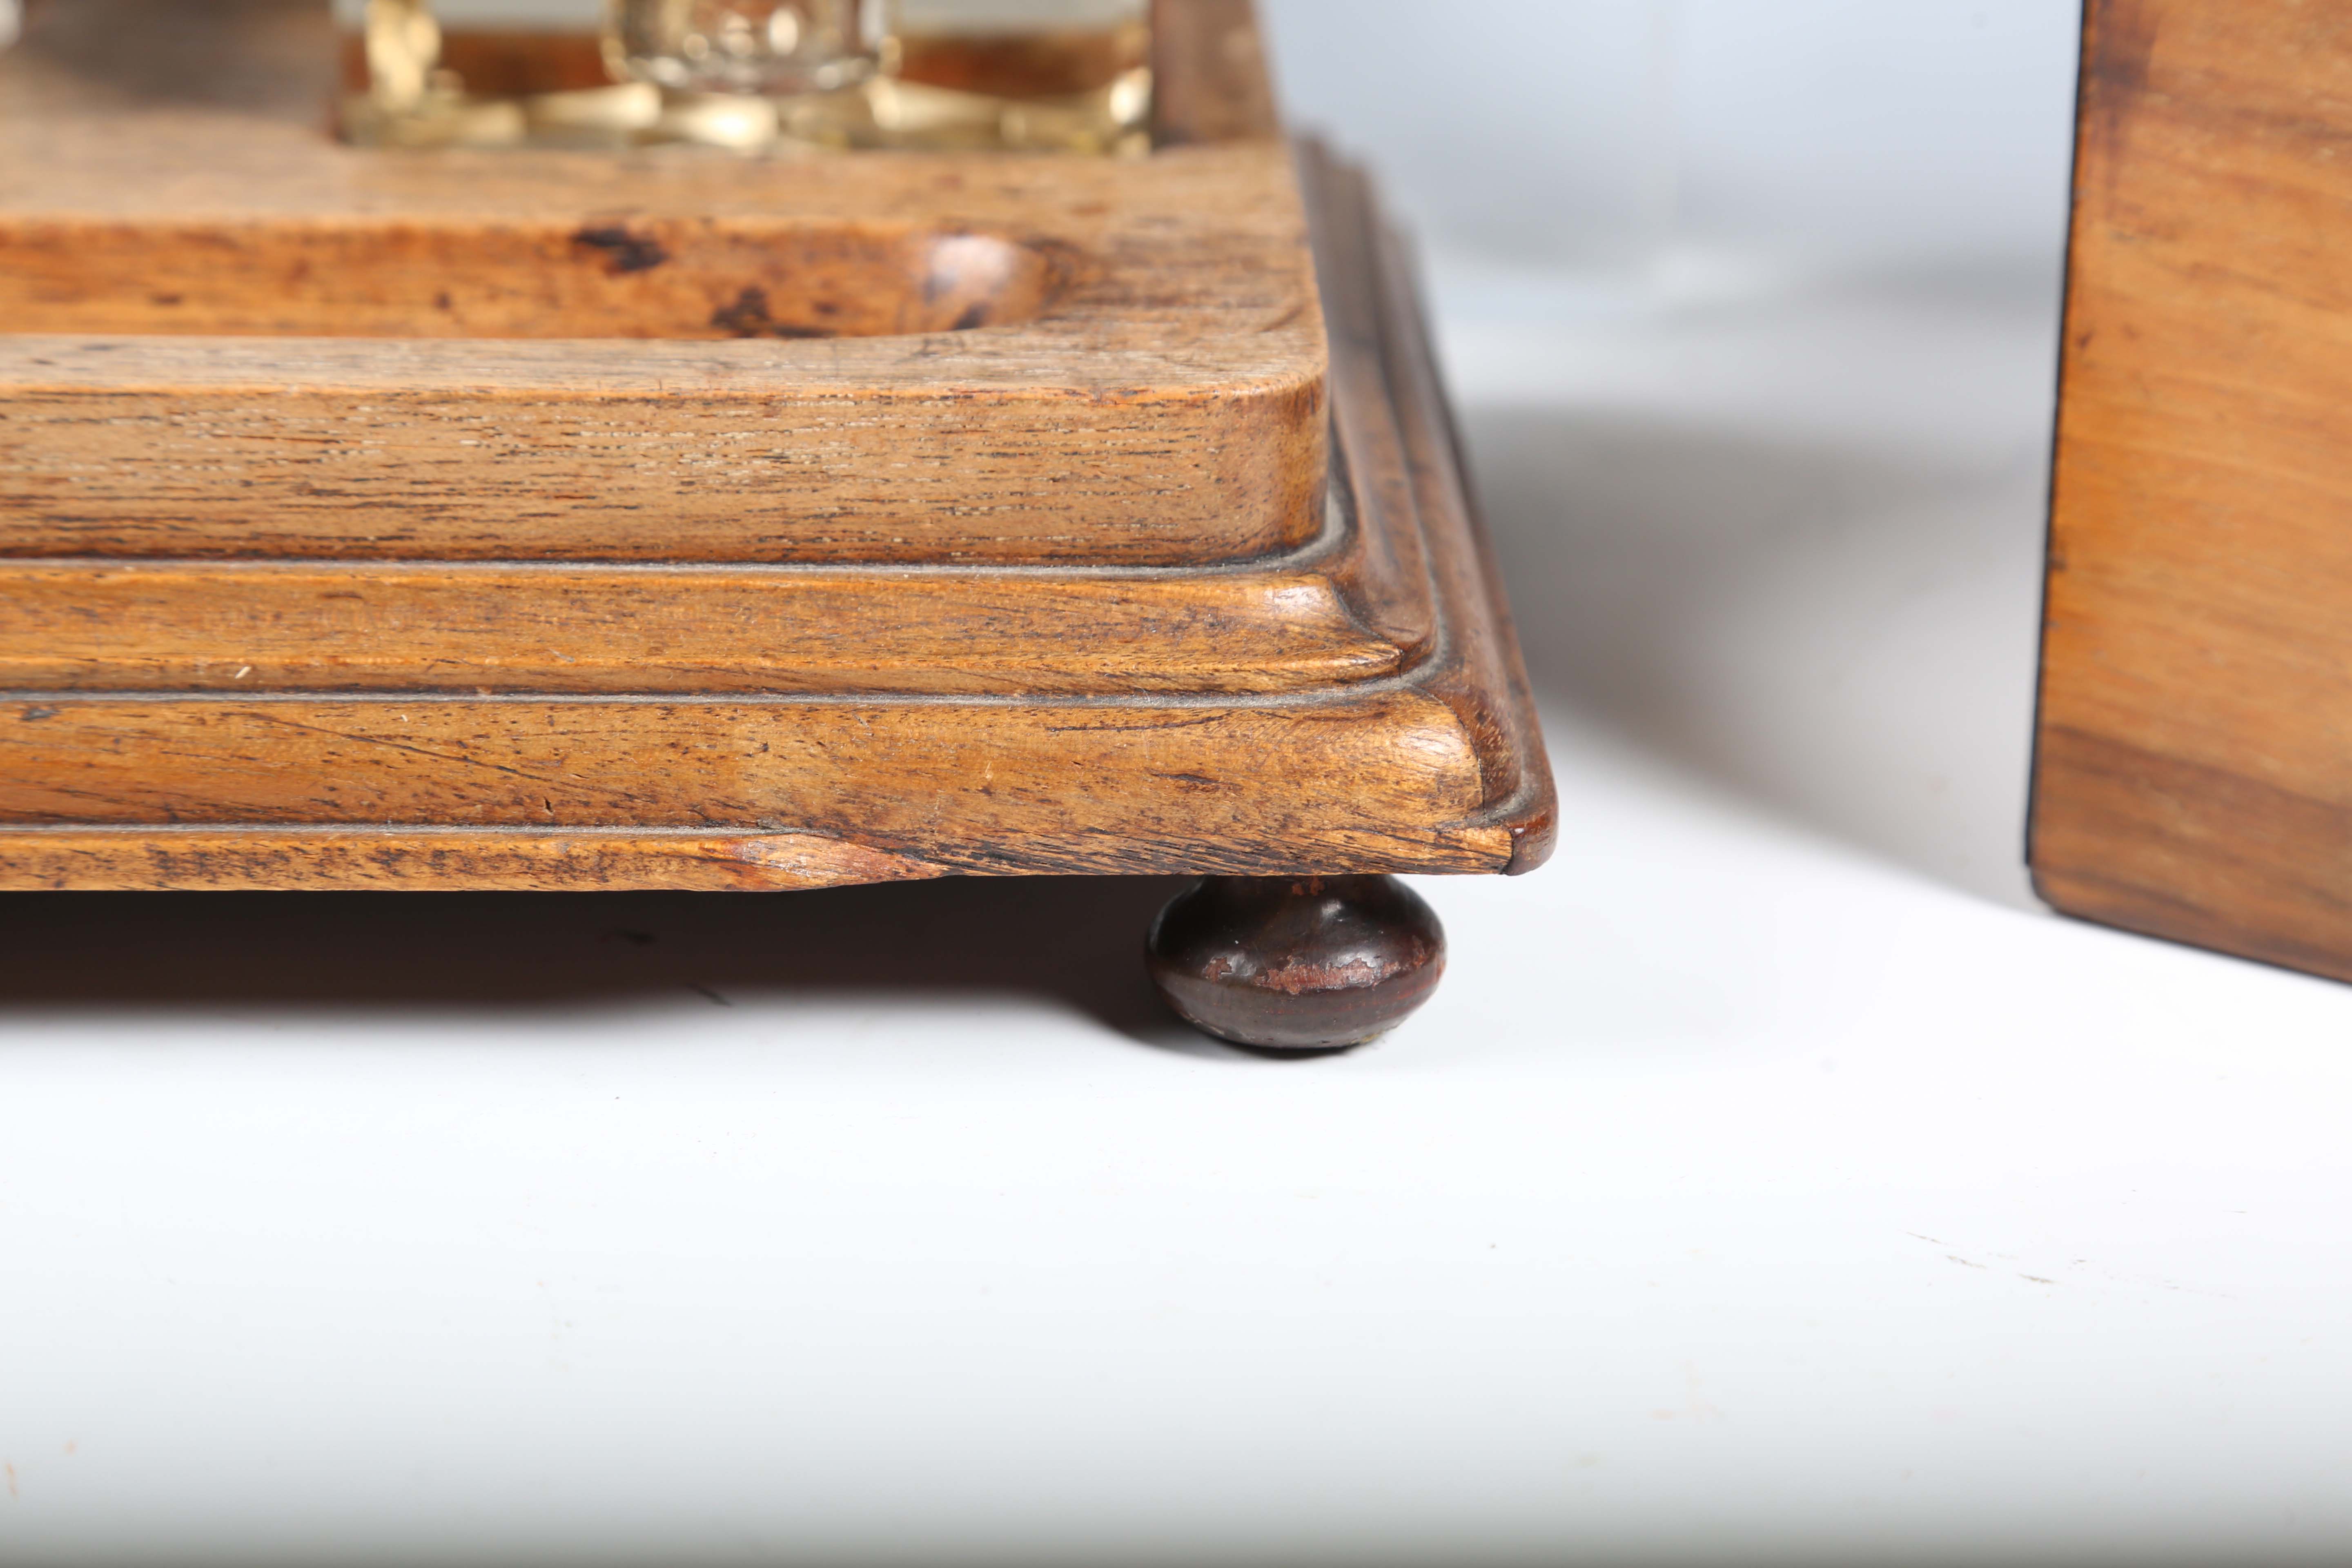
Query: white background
{"points": [[1771, 1181]]}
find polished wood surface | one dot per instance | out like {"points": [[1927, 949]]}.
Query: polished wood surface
{"points": [[243, 626], [1033, 358], [568, 277], [1352, 706], [266, 858], [2194, 769]]}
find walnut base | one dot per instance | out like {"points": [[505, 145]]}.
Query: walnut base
{"points": [[1162, 562]]}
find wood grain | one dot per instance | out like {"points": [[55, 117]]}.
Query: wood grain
{"points": [[2194, 769], [393, 276], [730, 458], [1147, 387], [1026, 786], [269, 858], [248, 626], [1433, 765]]}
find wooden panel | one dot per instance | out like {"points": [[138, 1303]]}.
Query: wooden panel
{"points": [[2194, 776], [1147, 387]]}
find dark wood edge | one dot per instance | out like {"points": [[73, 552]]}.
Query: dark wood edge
{"points": [[2086, 89]]}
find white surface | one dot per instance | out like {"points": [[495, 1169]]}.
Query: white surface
{"points": [[1593, 132], [1769, 1181]]}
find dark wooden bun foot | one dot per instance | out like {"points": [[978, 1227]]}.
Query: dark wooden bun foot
{"points": [[1296, 964]]}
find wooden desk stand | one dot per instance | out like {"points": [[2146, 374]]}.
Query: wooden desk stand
{"points": [[669, 519], [2194, 769]]}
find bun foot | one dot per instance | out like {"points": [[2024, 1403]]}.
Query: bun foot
{"points": [[1297, 965]]}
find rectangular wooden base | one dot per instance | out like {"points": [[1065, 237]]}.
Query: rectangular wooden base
{"points": [[1355, 704]]}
